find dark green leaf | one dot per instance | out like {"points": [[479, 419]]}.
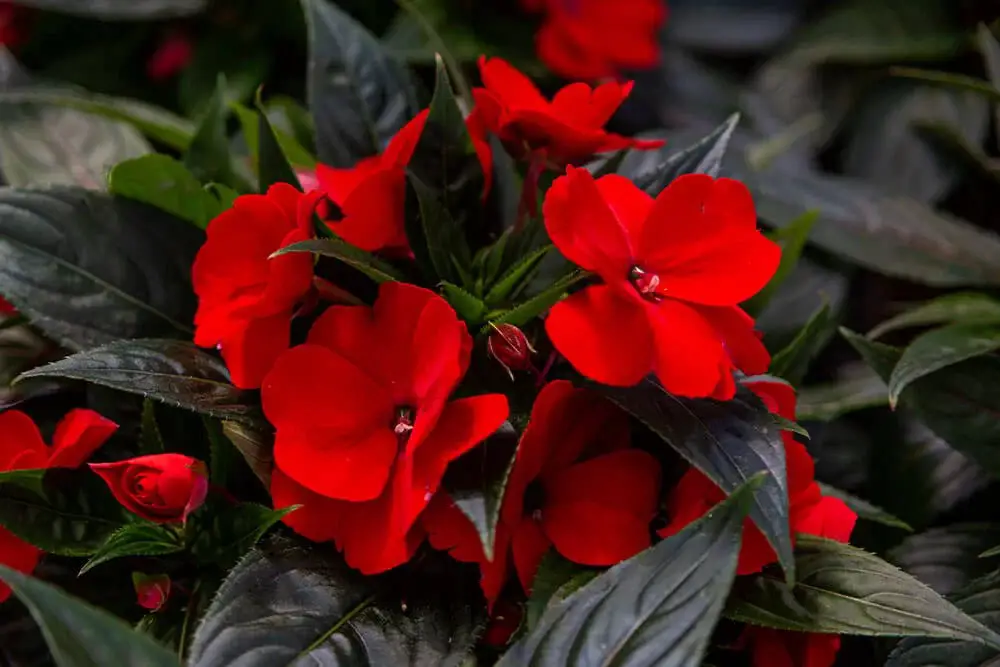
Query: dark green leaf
{"points": [[541, 302], [109, 10], [980, 600], [222, 455], [159, 124], [964, 307], [826, 402], [136, 539], [865, 509], [256, 447], [150, 438], [844, 590], [163, 182], [174, 372], [437, 240], [940, 348], [30, 479], [249, 119], [793, 361], [80, 635], [886, 148], [73, 516], [469, 307], [87, 269], [224, 535], [363, 261], [358, 93], [272, 164], [657, 608], [285, 604], [728, 441], [208, 154], [990, 49], [515, 277], [703, 157], [946, 558], [950, 80], [792, 239], [555, 575], [50, 145]]}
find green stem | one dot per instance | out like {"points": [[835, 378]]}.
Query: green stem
{"points": [[188, 613], [360, 607]]}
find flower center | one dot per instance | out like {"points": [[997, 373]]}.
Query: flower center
{"points": [[534, 500], [646, 284], [403, 425]]}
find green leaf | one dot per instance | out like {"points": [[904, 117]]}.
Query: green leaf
{"points": [[541, 302], [703, 157], [515, 277], [208, 154], [990, 49], [364, 262], [949, 80], [255, 445], [31, 479], [886, 147], [469, 307], [249, 119], [437, 240], [792, 239], [222, 455], [224, 535], [730, 442], [87, 269], [272, 164], [156, 123], [865, 509], [657, 608], [111, 10], [150, 438], [792, 362], [946, 558], [80, 635], [940, 348], [980, 600], [964, 308], [285, 604], [844, 590], [163, 182], [826, 402], [73, 516], [136, 539], [555, 579], [359, 95], [50, 145], [172, 372]]}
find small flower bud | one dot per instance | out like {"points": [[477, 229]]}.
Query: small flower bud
{"points": [[151, 590], [509, 346]]}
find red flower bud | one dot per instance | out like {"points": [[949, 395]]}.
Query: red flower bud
{"points": [[504, 622], [508, 345], [163, 488], [172, 55], [151, 590], [6, 308]]}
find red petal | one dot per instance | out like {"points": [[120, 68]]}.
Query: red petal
{"points": [[630, 204], [529, 545], [830, 518], [606, 335], [510, 86], [743, 345], [18, 555], [352, 467], [779, 397], [350, 331], [373, 212], [317, 519], [592, 534], [21, 447], [77, 436], [583, 106], [251, 351], [401, 146], [371, 534], [583, 227], [689, 353], [449, 529]]}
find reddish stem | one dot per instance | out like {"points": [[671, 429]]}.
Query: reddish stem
{"points": [[528, 205]]}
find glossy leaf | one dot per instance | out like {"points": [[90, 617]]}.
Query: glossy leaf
{"points": [[255, 445], [728, 441], [173, 372], [80, 635], [964, 307], [136, 539], [223, 535], [845, 590], [87, 269], [864, 509], [285, 603], [358, 93], [109, 10], [792, 362], [364, 262], [273, 164], [940, 348], [536, 305], [703, 157], [826, 402], [208, 154], [555, 576], [657, 608], [946, 558], [163, 182]]}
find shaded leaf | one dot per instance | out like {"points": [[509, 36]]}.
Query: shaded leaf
{"points": [[136, 539], [792, 239], [363, 261], [207, 155], [109, 10], [256, 447], [950, 80], [539, 303], [703, 157], [468, 307], [826, 402], [173, 372], [555, 573], [358, 93], [273, 164], [515, 277], [792, 362], [657, 608], [224, 535], [436, 238], [865, 509], [163, 182], [80, 635], [964, 307], [844, 590], [730, 442], [946, 558], [150, 438]]}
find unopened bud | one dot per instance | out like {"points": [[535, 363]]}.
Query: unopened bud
{"points": [[509, 346], [151, 590]]}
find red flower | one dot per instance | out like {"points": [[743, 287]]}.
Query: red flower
{"points": [[673, 270], [173, 54], [164, 488], [77, 436], [371, 194], [13, 25], [575, 485], [246, 300], [6, 309], [778, 648], [591, 39], [809, 511], [151, 590], [568, 129], [365, 428]]}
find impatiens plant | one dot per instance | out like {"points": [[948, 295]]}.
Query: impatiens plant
{"points": [[433, 373]]}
